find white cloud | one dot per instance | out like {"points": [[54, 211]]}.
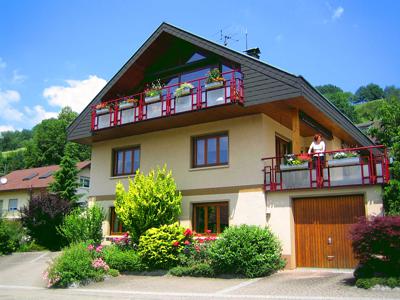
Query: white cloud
{"points": [[337, 13], [38, 113], [7, 101], [17, 77], [77, 94], [6, 128]]}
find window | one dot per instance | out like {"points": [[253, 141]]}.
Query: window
{"points": [[210, 150], [210, 216], [1, 208], [126, 161], [195, 57], [116, 226], [12, 204], [84, 181]]}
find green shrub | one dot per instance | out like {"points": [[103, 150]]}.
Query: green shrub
{"points": [[122, 260], [76, 265], [160, 247], [82, 225], [113, 273], [367, 283], [151, 201], [11, 235], [195, 270], [246, 250], [30, 246]]}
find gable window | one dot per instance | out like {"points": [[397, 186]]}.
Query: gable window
{"points": [[12, 204], [116, 226], [84, 181], [126, 161], [211, 150], [195, 57], [210, 216]]}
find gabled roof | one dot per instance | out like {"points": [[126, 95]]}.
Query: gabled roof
{"points": [[18, 180], [263, 83]]}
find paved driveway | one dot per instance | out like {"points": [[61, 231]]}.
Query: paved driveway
{"points": [[21, 278]]}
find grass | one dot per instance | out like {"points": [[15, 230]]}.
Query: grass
{"points": [[5, 154]]}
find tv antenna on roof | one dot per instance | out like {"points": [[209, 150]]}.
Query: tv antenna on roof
{"points": [[226, 37]]}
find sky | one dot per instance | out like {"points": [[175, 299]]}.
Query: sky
{"points": [[58, 53]]}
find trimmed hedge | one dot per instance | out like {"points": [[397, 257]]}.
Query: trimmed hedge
{"points": [[196, 270], [122, 260], [367, 283], [247, 250]]}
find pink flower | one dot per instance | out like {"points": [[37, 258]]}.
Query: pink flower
{"points": [[188, 232], [90, 247], [99, 263], [187, 243], [175, 244], [208, 231], [99, 248], [197, 248]]}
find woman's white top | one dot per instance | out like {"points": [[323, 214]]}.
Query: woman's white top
{"points": [[317, 149]]}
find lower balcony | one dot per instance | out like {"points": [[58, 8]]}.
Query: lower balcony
{"points": [[167, 102], [344, 167]]}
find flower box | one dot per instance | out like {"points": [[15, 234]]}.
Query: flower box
{"points": [[302, 166], [344, 161], [152, 99], [183, 104], [214, 85], [124, 105], [183, 92], [101, 111]]}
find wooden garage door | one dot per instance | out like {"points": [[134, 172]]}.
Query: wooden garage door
{"points": [[322, 230]]}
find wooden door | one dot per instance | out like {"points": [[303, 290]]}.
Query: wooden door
{"points": [[322, 230]]}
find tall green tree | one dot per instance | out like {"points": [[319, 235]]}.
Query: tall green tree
{"points": [[65, 182], [369, 92], [340, 99], [151, 201], [392, 91], [49, 142], [389, 135]]}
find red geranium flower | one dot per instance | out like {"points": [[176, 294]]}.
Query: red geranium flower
{"points": [[175, 244], [188, 232], [187, 243]]}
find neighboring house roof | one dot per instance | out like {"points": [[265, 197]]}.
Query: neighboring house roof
{"points": [[263, 83], [33, 178]]}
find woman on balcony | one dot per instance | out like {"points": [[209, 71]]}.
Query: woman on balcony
{"points": [[317, 149]]}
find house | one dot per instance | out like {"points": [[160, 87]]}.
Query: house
{"points": [[17, 187], [225, 143]]}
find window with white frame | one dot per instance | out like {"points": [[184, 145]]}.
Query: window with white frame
{"points": [[84, 181], [12, 204]]}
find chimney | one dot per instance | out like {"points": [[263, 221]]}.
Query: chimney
{"points": [[254, 52]]}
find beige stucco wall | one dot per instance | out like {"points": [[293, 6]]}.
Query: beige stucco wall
{"points": [[280, 213], [250, 138], [23, 198]]}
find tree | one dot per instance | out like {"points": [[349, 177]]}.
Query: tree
{"points": [[151, 201], [65, 182], [50, 139], [329, 89], [392, 91], [82, 225], [340, 99], [389, 135], [368, 93], [42, 216]]}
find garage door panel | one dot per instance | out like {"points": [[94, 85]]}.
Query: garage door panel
{"points": [[322, 230]]}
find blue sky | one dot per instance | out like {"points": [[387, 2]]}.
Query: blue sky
{"points": [[56, 53]]}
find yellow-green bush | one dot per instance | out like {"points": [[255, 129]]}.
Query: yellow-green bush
{"points": [[159, 247]]}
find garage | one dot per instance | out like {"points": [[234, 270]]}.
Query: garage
{"points": [[322, 230]]}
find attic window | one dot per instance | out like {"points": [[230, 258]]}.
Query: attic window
{"points": [[30, 176], [45, 175], [195, 57]]}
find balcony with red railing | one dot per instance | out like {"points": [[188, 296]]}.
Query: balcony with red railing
{"points": [[139, 107], [344, 167]]}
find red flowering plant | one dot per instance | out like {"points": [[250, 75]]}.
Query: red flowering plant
{"points": [[124, 242], [196, 252]]}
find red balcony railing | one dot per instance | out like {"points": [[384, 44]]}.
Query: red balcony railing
{"points": [[344, 167], [138, 107]]}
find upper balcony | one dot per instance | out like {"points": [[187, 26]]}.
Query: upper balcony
{"points": [[169, 100], [344, 167]]}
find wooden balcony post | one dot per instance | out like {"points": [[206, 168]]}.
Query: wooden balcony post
{"points": [[295, 131]]}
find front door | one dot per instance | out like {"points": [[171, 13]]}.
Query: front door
{"points": [[322, 230]]}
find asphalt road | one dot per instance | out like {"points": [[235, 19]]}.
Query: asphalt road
{"points": [[21, 278]]}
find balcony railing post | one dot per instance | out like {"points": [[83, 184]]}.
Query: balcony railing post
{"points": [[93, 126], [199, 99]]}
